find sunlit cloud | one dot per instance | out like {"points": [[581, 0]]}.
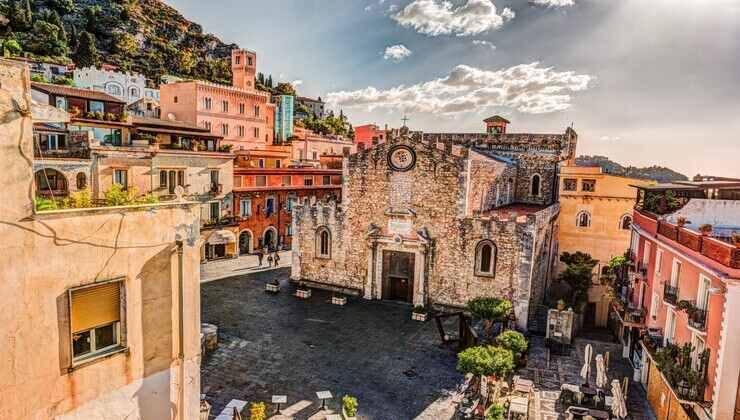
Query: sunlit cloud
{"points": [[528, 88], [396, 53], [434, 18]]}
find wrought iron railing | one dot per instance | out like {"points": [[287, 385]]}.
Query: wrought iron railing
{"points": [[670, 294]]}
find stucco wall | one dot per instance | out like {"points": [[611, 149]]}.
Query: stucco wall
{"points": [[43, 255]]}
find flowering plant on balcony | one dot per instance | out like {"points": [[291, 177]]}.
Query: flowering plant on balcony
{"points": [[677, 365]]}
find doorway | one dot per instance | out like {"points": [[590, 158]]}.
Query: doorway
{"points": [[269, 241], [245, 242], [398, 276], [215, 251]]}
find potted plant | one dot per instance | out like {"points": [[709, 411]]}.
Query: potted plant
{"points": [[419, 313], [736, 239], [303, 292], [681, 221], [338, 299], [349, 407], [705, 229], [516, 343], [272, 286], [257, 411]]}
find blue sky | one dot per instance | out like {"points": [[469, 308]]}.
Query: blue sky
{"points": [[644, 83]]}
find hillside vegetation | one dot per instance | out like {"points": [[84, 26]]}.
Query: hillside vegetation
{"points": [[146, 36], [657, 173]]}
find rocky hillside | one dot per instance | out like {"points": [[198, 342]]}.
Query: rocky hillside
{"points": [[146, 36], [658, 173]]}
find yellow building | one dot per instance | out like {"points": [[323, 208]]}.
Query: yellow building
{"points": [[595, 218]]}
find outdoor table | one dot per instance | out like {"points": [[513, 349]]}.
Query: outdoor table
{"points": [[279, 399], [323, 396], [583, 411]]}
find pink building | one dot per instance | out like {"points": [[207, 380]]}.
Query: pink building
{"points": [[240, 113], [684, 288], [364, 134]]}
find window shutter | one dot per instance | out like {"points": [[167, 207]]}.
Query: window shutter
{"points": [[94, 306]]}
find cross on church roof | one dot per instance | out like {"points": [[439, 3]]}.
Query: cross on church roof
{"points": [[405, 119]]}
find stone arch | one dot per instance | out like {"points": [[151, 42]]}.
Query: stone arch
{"points": [[245, 242], [51, 182], [114, 88], [535, 185], [486, 255], [270, 238]]}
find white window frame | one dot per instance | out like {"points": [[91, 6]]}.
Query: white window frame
{"points": [[675, 272], [646, 248], [670, 330], [245, 207], [654, 306], [699, 345], [702, 295], [116, 177], [658, 261], [96, 353]]}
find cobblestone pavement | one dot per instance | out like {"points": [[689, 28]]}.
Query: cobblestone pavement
{"points": [[278, 344], [245, 264], [566, 369]]}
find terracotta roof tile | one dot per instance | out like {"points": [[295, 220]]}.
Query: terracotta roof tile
{"points": [[74, 92]]}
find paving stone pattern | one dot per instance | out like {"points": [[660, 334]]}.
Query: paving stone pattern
{"points": [[278, 344]]}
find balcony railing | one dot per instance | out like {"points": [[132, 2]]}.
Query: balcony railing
{"points": [[670, 294], [216, 188], [222, 222], [698, 319]]}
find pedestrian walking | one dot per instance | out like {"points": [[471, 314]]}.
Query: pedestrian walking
{"points": [[269, 260], [276, 258], [260, 255]]}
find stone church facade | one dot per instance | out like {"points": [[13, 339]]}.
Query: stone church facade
{"points": [[438, 219]]}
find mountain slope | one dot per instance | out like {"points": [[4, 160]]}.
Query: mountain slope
{"points": [[146, 36], [658, 173]]}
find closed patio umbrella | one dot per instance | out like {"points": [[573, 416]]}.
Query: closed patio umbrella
{"points": [[587, 354], [619, 407], [601, 379]]}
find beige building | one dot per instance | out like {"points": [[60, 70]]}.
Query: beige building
{"points": [[101, 314], [595, 218]]}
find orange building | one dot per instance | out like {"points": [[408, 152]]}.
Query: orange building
{"points": [[264, 198], [240, 113], [364, 134]]}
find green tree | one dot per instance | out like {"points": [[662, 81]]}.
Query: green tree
{"points": [[486, 361], [47, 40], [285, 88], [28, 11], [87, 53], [577, 274], [269, 82], [11, 48], [125, 44], [63, 7], [514, 341]]}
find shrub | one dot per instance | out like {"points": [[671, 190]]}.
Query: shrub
{"points": [[486, 361], [79, 200], [419, 309], [490, 308], [257, 411], [117, 196], [225, 148], [45, 204], [513, 341], [495, 412], [350, 405]]}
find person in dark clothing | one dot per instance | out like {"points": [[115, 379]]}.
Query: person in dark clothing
{"points": [[276, 258], [269, 260], [260, 255]]}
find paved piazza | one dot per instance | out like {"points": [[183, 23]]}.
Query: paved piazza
{"points": [[282, 345], [278, 344]]}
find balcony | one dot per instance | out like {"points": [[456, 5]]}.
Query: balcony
{"points": [[670, 294], [698, 319], [216, 189], [222, 222]]}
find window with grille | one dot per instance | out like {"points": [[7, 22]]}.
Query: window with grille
{"points": [[588, 185], [570, 184]]}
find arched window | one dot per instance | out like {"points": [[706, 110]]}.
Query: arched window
{"points": [[485, 259], [81, 181], [583, 219], [323, 243], [114, 89], [535, 186], [134, 92], [626, 222]]}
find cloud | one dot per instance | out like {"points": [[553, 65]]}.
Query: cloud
{"points": [[434, 17], [607, 138], [368, 8], [296, 82], [529, 88], [393, 8], [396, 53], [553, 3], [483, 43]]}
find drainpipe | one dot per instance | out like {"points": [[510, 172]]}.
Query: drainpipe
{"points": [[181, 327]]}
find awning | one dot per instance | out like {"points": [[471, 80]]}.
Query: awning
{"points": [[219, 237]]}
